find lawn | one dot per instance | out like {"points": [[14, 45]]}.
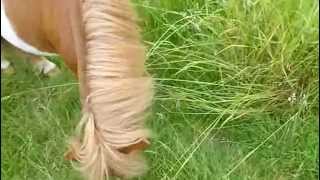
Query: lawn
{"points": [[237, 96]]}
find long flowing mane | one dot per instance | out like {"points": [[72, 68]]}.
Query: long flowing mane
{"points": [[119, 92]]}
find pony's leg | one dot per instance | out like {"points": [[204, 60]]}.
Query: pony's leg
{"points": [[5, 64], [44, 66]]}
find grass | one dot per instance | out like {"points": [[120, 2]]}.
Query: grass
{"points": [[237, 96]]}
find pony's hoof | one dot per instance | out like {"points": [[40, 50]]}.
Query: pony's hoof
{"points": [[53, 72], [9, 70]]}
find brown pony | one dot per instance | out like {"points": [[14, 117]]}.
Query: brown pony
{"points": [[99, 41]]}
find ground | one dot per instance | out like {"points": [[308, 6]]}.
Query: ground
{"points": [[237, 96]]}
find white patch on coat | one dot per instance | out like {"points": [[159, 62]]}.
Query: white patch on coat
{"points": [[8, 33]]}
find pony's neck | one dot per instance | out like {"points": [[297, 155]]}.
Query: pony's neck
{"points": [[117, 92]]}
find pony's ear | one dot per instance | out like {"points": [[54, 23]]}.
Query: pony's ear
{"points": [[138, 147], [70, 155]]}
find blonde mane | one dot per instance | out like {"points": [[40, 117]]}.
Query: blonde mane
{"points": [[119, 92]]}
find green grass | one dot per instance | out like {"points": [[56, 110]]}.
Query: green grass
{"points": [[237, 96]]}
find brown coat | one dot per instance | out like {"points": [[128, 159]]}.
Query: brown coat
{"points": [[48, 25], [106, 54]]}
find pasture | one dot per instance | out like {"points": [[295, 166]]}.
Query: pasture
{"points": [[237, 96]]}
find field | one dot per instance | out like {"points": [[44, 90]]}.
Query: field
{"points": [[237, 96]]}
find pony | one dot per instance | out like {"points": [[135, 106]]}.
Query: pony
{"points": [[100, 41]]}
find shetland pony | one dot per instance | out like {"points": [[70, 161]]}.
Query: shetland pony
{"points": [[100, 42]]}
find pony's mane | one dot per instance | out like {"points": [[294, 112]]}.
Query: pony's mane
{"points": [[119, 92]]}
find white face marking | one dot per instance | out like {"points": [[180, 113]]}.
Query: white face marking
{"points": [[8, 33]]}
